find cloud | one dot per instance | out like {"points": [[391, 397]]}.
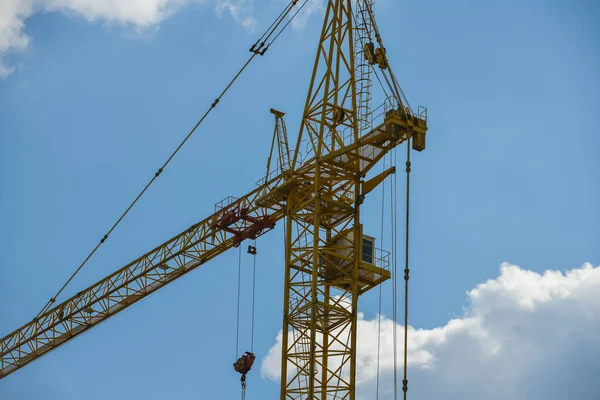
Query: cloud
{"points": [[307, 10], [240, 11], [524, 335], [311, 7], [139, 14]]}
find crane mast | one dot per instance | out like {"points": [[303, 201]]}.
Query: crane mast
{"points": [[326, 265], [317, 191], [323, 229]]}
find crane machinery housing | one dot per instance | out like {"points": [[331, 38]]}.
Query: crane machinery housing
{"points": [[315, 188]]}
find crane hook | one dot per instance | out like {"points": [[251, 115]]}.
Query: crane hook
{"points": [[243, 365]]}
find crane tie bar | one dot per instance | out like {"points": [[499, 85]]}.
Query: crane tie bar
{"points": [[272, 31]]}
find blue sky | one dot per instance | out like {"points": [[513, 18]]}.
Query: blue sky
{"points": [[96, 98]]}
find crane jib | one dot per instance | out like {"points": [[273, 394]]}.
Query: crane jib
{"points": [[167, 262], [247, 217]]}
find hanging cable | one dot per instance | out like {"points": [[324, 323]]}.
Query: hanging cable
{"points": [[243, 389], [272, 30], [156, 175], [406, 269], [380, 286], [394, 218], [239, 286], [253, 295], [243, 365]]}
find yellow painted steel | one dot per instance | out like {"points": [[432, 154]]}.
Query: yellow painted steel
{"points": [[325, 268], [279, 146], [317, 192], [183, 253], [293, 196], [372, 183]]}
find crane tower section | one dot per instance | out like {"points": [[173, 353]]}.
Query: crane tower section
{"points": [[364, 82], [329, 261]]}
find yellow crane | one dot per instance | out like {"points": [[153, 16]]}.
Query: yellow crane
{"points": [[316, 190]]}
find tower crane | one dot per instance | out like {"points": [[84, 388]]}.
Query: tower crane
{"points": [[315, 190]]}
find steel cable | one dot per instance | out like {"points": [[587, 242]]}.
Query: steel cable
{"points": [[239, 285], [406, 269], [380, 285], [394, 220], [268, 33], [253, 297]]}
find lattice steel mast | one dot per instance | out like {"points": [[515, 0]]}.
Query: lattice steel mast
{"points": [[326, 265]]}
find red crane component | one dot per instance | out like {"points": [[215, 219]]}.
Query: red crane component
{"points": [[243, 365], [253, 228], [229, 218], [258, 227]]}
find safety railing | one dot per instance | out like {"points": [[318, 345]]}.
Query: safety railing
{"points": [[226, 202], [376, 256], [422, 113], [277, 171]]}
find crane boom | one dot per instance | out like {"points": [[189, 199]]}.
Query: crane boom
{"points": [[236, 220]]}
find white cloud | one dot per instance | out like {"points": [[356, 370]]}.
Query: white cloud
{"points": [[12, 38], [524, 336], [139, 14], [240, 11], [311, 7]]}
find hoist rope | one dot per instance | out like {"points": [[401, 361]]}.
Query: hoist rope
{"points": [[268, 34], [394, 220], [239, 288], [252, 251], [239, 296], [253, 297], [380, 286], [406, 269]]}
